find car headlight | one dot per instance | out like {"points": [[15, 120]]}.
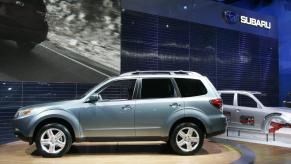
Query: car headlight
{"points": [[23, 113]]}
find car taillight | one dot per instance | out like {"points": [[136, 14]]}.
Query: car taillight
{"points": [[216, 102]]}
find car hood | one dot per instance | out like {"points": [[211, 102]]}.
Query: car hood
{"points": [[52, 105]]}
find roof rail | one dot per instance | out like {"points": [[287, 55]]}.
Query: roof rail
{"points": [[180, 72], [237, 91]]}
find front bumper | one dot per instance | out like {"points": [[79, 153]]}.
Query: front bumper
{"points": [[21, 136], [21, 128]]}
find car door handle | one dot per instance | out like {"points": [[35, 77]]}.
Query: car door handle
{"points": [[237, 110], [175, 105], [127, 107]]}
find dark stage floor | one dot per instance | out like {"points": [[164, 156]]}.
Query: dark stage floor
{"points": [[117, 152]]}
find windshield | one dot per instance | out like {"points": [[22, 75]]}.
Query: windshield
{"points": [[263, 98], [86, 93], [90, 90]]}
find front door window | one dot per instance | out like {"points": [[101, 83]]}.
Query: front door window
{"points": [[118, 91]]}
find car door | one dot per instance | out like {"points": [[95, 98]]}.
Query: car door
{"points": [[113, 114], [249, 112], [157, 102], [229, 109]]}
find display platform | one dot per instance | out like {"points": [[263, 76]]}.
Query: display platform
{"points": [[119, 152], [281, 137]]}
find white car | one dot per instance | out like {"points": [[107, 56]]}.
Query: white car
{"points": [[244, 110]]}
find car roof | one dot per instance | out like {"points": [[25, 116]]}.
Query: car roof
{"points": [[239, 91], [187, 74]]}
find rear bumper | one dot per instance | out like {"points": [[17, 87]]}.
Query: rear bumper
{"points": [[215, 133], [217, 126]]}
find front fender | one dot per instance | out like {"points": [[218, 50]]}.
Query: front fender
{"points": [[56, 113]]}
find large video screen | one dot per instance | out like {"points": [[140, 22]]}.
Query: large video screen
{"points": [[79, 43]]}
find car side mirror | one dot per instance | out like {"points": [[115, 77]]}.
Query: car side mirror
{"points": [[93, 98]]}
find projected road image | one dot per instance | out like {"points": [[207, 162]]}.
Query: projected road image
{"points": [[89, 27], [83, 45], [47, 63]]}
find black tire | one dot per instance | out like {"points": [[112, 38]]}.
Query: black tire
{"points": [[184, 126], [68, 140], [25, 46]]}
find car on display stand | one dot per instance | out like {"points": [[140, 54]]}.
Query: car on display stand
{"points": [[245, 111], [287, 101], [23, 21], [177, 107]]}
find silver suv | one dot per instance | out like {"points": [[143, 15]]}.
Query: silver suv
{"points": [[177, 107]]}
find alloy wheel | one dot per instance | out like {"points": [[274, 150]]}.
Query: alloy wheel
{"points": [[53, 141], [187, 139]]}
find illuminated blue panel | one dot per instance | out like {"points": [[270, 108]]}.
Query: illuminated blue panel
{"points": [[140, 37], [231, 59], [203, 50], [173, 44]]}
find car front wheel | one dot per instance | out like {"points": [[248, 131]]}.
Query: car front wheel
{"points": [[186, 139], [53, 140]]}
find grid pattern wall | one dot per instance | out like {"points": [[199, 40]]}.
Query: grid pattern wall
{"points": [[14, 95], [230, 59]]}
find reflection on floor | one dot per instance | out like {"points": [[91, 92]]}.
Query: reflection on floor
{"points": [[266, 154], [282, 137], [117, 152]]}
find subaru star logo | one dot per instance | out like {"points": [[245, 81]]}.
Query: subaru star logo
{"points": [[230, 16]]}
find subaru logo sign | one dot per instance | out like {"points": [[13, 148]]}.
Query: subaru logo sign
{"points": [[230, 16]]}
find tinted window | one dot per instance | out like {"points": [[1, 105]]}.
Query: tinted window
{"points": [[190, 87], [157, 88], [118, 90], [246, 101], [227, 98]]}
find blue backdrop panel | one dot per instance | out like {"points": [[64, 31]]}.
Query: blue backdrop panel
{"points": [[231, 59]]}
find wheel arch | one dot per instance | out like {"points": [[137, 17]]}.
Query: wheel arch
{"points": [[54, 120], [267, 118], [194, 120], [55, 116]]}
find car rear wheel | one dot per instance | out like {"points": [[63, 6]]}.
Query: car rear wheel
{"points": [[186, 139], [25, 46], [53, 140]]}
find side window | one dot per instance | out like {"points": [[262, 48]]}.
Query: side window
{"points": [[118, 90], [227, 98], [190, 87], [157, 88], [246, 101]]}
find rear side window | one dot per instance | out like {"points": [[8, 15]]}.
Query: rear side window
{"points": [[190, 87], [157, 88], [227, 98]]}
